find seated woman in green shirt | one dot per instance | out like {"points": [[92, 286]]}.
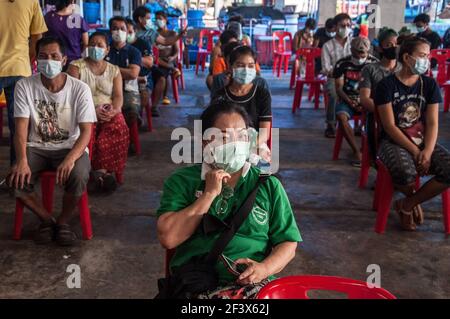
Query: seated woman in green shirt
{"points": [[266, 241]]}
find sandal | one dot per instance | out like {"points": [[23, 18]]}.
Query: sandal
{"points": [[418, 215], [64, 235], [103, 182], [45, 233], [356, 163], [176, 73], [406, 218]]}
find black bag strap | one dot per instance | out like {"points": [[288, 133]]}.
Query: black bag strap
{"points": [[235, 223]]}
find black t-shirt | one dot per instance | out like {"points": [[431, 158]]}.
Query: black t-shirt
{"points": [[409, 103], [321, 35], [433, 38], [146, 50], [352, 74], [257, 103]]}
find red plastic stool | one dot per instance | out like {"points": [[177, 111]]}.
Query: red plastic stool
{"points": [[340, 137], [365, 163], [48, 187], [2, 106], [134, 136], [297, 287], [384, 192]]}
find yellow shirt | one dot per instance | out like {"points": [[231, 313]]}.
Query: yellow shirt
{"points": [[18, 21]]}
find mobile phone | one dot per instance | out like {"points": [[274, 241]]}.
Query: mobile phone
{"points": [[234, 268]]}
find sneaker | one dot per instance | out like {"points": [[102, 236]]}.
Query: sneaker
{"points": [[64, 235], [165, 101], [45, 233], [329, 132]]}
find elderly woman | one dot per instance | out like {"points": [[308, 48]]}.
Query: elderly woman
{"points": [[111, 136], [267, 239], [408, 106]]}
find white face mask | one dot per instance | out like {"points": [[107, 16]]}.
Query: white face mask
{"points": [[149, 24], [244, 75], [230, 157], [49, 68], [359, 61], [119, 36], [160, 23], [344, 32]]}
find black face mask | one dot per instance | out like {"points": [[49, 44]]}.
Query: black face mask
{"points": [[389, 53]]}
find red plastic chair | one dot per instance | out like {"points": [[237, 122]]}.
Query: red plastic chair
{"points": [[134, 136], [441, 55], [384, 191], [281, 52], [365, 162], [446, 87], [2, 106], [309, 55], [180, 64], [340, 136], [203, 53], [47, 189], [297, 287]]}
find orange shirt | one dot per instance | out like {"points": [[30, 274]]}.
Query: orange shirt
{"points": [[220, 66]]}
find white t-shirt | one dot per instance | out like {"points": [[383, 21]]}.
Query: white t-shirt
{"points": [[54, 117]]}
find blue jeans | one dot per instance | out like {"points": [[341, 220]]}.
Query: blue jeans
{"points": [[8, 84], [332, 97]]}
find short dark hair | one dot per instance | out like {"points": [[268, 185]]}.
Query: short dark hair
{"points": [[51, 40], [226, 36], [161, 13], [330, 23], [341, 17], [100, 34], [240, 51], [236, 18], [61, 4], [116, 18], [140, 12], [131, 22], [311, 23], [228, 48], [409, 45], [221, 106], [386, 34], [423, 17]]}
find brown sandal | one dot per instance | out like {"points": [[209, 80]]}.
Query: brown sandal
{"points": [[406, 218], [418, 215]]}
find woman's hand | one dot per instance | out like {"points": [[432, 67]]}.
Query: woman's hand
{"points": [[423, 162], [213, 181], [255, 272]]}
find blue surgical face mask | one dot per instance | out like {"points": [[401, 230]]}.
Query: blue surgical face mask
{"points": [[421, 66], [421, 29], [331, 34], [49, 68], [96, 53], [160, 23], [244, 75], [149, 24]]}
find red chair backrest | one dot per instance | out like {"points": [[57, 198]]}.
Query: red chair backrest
{"points": [[279, 41], [441, 55], [309, 55], [297, 287], [209, 35]]}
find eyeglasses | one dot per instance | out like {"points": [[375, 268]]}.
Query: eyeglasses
{"points": [[225, 195]]}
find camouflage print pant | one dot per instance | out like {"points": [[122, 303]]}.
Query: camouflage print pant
{"points": [[234, 291]]}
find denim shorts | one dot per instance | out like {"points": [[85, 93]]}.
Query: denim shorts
{"points": [[343, 107]]}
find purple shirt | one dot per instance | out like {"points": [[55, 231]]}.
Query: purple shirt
{"points": [[69, 29]]}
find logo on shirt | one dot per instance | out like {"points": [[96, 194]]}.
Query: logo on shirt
{"points": [[260, 215], [48, 125], [198, 194]]}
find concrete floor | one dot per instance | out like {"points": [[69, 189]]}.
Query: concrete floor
{"points": [[124, 259]]}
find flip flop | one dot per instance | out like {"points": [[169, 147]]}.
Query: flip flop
{"points": [[418, 215], [406, 218]]}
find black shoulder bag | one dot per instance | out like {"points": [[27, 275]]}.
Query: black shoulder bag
{"points": [[199, 274]]}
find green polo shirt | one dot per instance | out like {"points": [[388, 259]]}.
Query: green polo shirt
{"points": [[270, 223]]}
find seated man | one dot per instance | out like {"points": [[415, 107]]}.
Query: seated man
{"points": [[129, 61], [347, 74], [54, 114]]}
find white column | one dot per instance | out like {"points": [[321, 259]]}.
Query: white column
{"points": [[327, 9], [391, 13], [108, 11]]}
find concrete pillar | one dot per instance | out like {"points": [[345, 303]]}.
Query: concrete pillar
{"points": [[391, 13], [218, 4], [327, 9]]}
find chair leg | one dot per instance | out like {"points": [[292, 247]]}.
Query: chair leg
{"points": [[293, 77], [204, 57], [134, 137], [446, 98], [316, 96], [197, 62], [385, 199], [297, 96], [175, 89], [85, 217], [446, 210], [182, 84], [338, 143], [18, 220], [280, 65], [148, 113], [286, 63], [275, 64], [365, 163]]}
